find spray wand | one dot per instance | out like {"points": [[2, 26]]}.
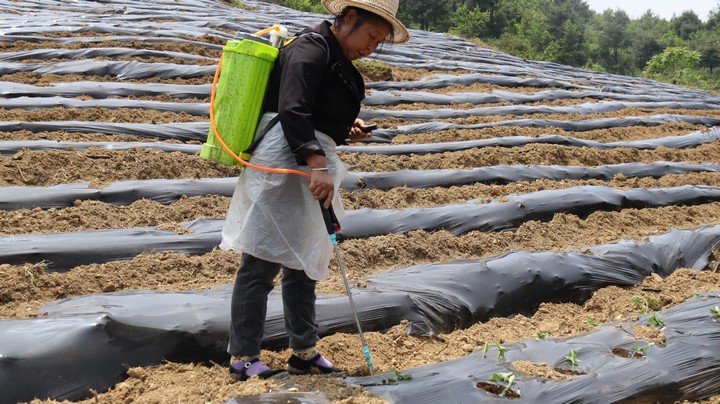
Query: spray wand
{"points": [[333, 226]]}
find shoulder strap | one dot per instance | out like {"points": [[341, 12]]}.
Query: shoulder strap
{"points": [[316, 35], [276, 119], [260, 135]]}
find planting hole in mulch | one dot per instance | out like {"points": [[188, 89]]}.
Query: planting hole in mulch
{"points": [[571, 372], [628, 353], [498, 390]]}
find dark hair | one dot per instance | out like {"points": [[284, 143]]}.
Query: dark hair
{"points": [[363, 17]]}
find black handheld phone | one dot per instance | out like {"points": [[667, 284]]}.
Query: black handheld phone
{"points": [[369, 128]]}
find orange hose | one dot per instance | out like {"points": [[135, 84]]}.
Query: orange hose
{"points": [[225, 146]]}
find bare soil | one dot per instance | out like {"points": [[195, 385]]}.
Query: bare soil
{"points": [[126, 115], [618, 134], [188, 48]]}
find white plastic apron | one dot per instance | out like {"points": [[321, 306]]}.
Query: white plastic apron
{"points": [[274, 216]]}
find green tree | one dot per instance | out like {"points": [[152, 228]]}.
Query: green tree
{"points": [[646, 35], [517, 45], [427, 15], [612, 41], [681, 65], [494, 23], [528, 34], [687, 23], [672, 62], [565, 24], [559, 11], [707, 43], [714, 18], [568, 48], [470, 22], [507, 14]]}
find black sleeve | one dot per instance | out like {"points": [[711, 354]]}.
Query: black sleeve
{"points": [[304, 65]]}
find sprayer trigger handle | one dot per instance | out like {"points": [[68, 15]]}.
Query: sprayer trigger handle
{"points": [[332, 224]]}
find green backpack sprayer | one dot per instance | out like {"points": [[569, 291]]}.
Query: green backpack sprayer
{"points": [[238, 93], [236, 100]]}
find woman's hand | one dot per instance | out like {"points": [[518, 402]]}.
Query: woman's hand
{"points": [[321, 183], [322, 187], [356, 131]]}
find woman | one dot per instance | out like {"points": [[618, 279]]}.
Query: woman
{"points": [[275, 219]]}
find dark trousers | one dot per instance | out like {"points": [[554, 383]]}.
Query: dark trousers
{"points": [[248, 306]]}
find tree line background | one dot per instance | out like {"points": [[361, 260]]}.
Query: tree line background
{"points": [[684, 50]]}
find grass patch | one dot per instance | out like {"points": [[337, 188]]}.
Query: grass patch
{"points": [[373, 70]]}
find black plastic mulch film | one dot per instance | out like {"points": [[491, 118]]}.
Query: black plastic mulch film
{"points": [[100, 335], [64, 251], [677, 142], [190, 131], [88, 342], [616, 365], [197, 131], [102, 90], [168, 191], [201, 109]]}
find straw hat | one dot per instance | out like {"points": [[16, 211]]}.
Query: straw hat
{"points": [[386, 9]]}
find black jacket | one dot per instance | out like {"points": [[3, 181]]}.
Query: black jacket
{"points": [[310, 90]]}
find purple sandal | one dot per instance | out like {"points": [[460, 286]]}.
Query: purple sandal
{"points": [[318, 364], [253, 367]]}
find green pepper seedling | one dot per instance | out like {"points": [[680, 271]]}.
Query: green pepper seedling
{"points": [[655, 320], [572, 358], [508, 378]]}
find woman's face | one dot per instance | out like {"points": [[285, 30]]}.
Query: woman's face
{"points": [[362, 40]]}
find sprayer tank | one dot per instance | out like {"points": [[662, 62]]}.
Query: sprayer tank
{"points": [[246, 65]]}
